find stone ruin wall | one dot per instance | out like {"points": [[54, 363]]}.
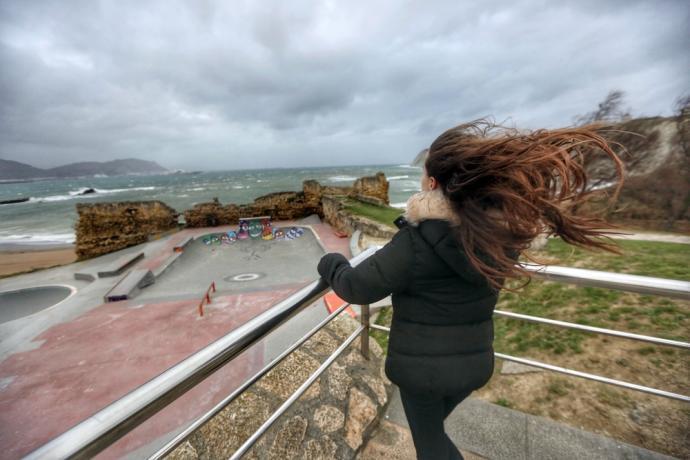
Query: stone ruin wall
{"points": [[107, 227], [332, 419]]}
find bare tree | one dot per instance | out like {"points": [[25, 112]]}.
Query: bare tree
{"points": [[609, 110]]}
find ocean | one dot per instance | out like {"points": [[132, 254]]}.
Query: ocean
{"points": [[48, 218]]}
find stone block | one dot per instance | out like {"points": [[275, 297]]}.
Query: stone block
{"points": [[329, 418], [361, 411]]}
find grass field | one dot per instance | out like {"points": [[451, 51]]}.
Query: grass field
{"points": [[652, 422], [384, 215]]}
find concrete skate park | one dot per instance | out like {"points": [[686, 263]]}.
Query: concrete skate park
{"points": [[59, 323]]}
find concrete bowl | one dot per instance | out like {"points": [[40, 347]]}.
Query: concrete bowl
{"points": [[19, 303]]}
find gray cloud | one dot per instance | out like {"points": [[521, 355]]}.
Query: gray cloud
{"points": [[202, 85]]}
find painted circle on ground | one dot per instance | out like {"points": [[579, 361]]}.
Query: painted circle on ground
{"points": [[244, 277]]}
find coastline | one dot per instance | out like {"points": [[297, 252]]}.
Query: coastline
{"points": [[22, 258]]}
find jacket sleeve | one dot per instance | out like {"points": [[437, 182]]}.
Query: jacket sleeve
{"points": [[387, 271]]}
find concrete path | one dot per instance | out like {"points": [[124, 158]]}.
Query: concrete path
{"points": [[661, 237], [484, 430]]}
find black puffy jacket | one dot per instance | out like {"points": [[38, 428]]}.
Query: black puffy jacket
{"points": [[442, 331]]}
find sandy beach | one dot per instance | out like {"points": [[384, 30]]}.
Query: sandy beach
{"points": [[20, 259]]}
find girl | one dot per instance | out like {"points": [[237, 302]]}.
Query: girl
{"points": [[487, 192]]}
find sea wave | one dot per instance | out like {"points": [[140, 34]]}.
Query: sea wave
{"points": [[409, 166], [196, 189], [38, 238], [398, 177], [402, 205], [342, 178], [80, 194]]}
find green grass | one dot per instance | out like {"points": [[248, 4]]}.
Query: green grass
{"points": [[384, 215], [383, 319], [647, 258], [651, 315]]}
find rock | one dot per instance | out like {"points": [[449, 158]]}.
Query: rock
{"points": [[314, 391], [107, 227], [343, 326], [375, 348], [329, 418], [285, 378], [338, 381], [321, 343], [321, 449], [373, 187], [287, 442], [183, 452], [510, 367], [87, 191], [360, 413], [226, 432], [378, 387], [354, 357]]}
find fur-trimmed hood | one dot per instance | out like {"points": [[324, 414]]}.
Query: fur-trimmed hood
{"points": [[431, 204]]}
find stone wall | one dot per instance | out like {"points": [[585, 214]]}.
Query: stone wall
{"points": [[107, 227], [332, 419], [338, 217], [372, 186], [286, 205]]}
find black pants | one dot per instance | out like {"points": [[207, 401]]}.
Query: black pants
{"points": [[426, 414]]}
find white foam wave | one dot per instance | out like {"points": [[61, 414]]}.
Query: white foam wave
{"points": [[409, 166], [38, 238], [120, 190], [80, 194], [342, 178], [411, 190], [237, 187], [402, 205], [398, 177], [196, 189]]}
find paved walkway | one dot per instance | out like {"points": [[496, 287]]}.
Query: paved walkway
{"points": [[485, 430], [661, 237]]}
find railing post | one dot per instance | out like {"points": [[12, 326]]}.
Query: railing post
{"points": [[364, 319]]}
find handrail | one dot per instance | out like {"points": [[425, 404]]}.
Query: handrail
{"points": [[180, 437], [595, 330], [207, 297], [574, 373], [99, 431], [618, 281]]}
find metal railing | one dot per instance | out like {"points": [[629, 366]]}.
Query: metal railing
{"points": [[608, 280], [99, 431], [102, 429]]}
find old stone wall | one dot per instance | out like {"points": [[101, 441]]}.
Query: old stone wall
{"points": [[285, 205], [372, 186], [332, 419], [338, 217], [107, 227]]}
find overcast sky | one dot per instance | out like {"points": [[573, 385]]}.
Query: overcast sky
{"points": [[232, 85]]}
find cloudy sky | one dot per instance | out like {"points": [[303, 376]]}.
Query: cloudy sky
{"points": [[232, 84]]}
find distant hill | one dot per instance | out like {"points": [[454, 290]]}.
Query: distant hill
{"points": [[14, 170], [420, 158]]}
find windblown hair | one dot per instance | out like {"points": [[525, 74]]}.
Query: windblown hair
{"points": [[506, 187]]}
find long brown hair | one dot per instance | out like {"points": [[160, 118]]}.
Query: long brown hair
{"points": [[508, 186]]}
